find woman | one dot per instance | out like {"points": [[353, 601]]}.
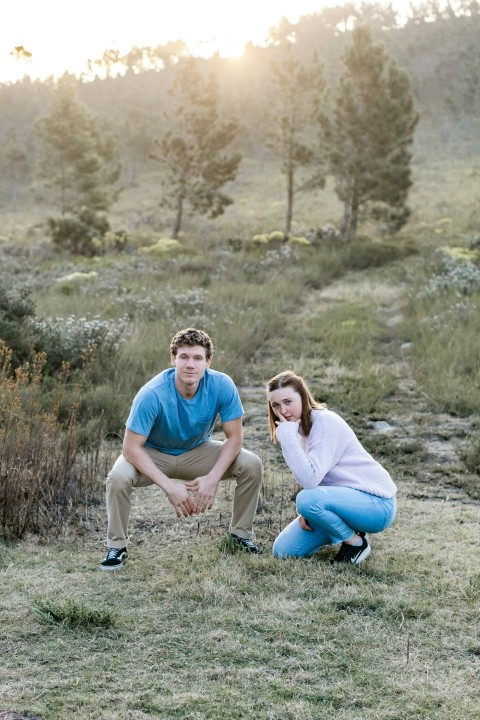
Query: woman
{"points": [[346, 492]]}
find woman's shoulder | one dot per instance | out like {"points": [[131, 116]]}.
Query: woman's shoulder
{"points": [[323, 417]]}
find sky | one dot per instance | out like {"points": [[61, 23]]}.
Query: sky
{"points": [[63, 34]]}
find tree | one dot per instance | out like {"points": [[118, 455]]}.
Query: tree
{"points": [[14, 166], [79, 160], [135, 141], [368, 136], [298, 94], [193, 151], [79, 164]]}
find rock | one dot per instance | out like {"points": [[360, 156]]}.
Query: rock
{"points": [[382, 426]]}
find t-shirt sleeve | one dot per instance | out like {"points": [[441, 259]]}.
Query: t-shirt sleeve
{"points": [[145, 410], [230, 405]]}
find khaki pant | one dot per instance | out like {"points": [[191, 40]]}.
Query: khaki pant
{"points": [[246, 469]]}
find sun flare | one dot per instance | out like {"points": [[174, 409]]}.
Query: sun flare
{"points": [[212, 26]]}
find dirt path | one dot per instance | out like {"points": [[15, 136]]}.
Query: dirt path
{"points": [[409, 422]]}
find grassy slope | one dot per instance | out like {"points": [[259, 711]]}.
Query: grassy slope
{"points": [[196, 633]]}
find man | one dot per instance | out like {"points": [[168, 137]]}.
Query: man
{"points": [[168, 438]]}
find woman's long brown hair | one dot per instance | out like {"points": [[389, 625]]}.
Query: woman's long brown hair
{"points": [[290, 379]]}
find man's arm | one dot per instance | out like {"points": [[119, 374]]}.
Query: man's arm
{"points": [[205, 487], [177, 493]]}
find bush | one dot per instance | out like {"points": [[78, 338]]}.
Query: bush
{"points": [[67, 339], [60, 339], [364, 252], [16, 329], [44, 476], [470, 454], [80, 233], [161, 247]]}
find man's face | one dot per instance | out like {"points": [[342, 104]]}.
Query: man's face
{"points": [[190, 364]]}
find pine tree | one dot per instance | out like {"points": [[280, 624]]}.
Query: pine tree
{"points": [[79, 160], [14, 167], [193, 151], [79, 164], [298, 95], [368, 136]]}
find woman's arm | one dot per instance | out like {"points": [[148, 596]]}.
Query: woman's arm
{"points": [[325, 449]]}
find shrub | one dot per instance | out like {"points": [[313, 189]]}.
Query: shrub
{"points": [[299, 240], [80, 233], [470, 454], [44, 476], [457, 273], [274, 237], [161, 247], [16, 329], [67, 339], [364, 252], [60, 339]]}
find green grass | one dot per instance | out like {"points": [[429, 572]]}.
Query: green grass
{"points": [[71, 613]]}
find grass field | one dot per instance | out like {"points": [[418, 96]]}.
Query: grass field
{"points": [[188, 630]]}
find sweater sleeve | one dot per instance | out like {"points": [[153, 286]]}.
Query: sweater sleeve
{"points": [[324, 451]]}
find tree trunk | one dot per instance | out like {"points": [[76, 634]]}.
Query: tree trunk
{"points": [[346, 218], [288, 220], [352, 230], [178, 218]]}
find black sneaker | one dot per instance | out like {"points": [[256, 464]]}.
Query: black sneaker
{"points": [[353, 554], [114, 559], [245, 544]]}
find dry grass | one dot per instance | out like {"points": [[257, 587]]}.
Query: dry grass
{"points": [[197, 630]]}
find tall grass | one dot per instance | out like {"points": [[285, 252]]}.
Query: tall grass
{"points": [[244, 298], [45, 474], [443, 324]]}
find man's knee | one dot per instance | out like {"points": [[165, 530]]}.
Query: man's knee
{"points": [[121, 476], [249, 466]]}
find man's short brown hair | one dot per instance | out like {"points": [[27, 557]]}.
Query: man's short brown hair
{"points": [[191, 337]]}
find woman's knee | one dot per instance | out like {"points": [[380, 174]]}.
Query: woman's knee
{"points": [[281, 549], [308, 501]]}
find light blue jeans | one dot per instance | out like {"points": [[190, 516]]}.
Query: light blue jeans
{"points": [[334, 514]]}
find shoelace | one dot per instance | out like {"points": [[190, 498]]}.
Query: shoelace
{"points": [[112, 553], [247, 542]]}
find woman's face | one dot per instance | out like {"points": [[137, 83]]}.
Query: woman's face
{"points": [[286, 403]]}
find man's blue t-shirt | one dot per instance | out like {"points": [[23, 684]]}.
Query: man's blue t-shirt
{"points": [[175, 425]]}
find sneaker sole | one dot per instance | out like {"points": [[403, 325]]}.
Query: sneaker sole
{"points": [[111, 568], [363, 556]]}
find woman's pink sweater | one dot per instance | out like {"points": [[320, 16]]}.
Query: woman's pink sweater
{"points": [[332, 455]]}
